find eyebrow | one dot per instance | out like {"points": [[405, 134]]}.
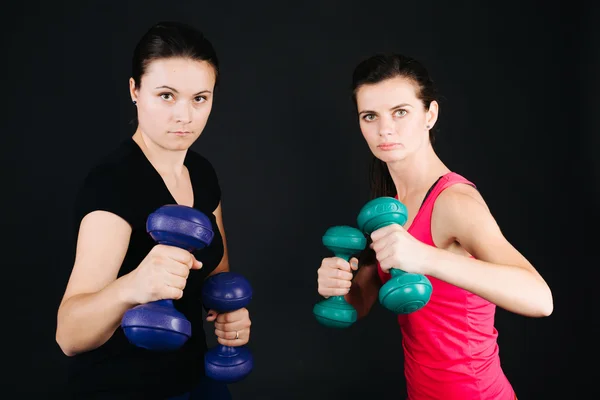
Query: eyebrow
{"points": [[391, 109], [175, 90]]}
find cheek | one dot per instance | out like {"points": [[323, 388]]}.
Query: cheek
{"points": [[201, 115], [369, 131], [154, 111], [409, 128]]}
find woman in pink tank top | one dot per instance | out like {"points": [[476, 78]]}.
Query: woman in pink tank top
{"points": [[450, 346]]}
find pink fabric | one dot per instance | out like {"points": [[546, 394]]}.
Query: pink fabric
{"points": [[450, 346]]}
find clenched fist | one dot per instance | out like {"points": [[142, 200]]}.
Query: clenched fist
{"points": [[335, 276], [232, 328], [161, 275]]}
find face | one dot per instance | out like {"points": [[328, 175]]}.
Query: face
{"points": [[393, 120], [174, 100]]}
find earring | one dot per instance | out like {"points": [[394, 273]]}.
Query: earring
{"points": [[428, 126], [134, 102]]}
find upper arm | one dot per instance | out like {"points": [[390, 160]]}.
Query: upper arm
{"points": [[102, 243], [104, 210], [461, 215], [211, 200], [224, 264]]}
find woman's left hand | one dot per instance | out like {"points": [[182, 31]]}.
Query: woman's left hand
{"points": [[232, 328], [396, 248]]}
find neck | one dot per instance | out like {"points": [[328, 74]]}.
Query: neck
{"points": [[417, 172], [166, 162]]}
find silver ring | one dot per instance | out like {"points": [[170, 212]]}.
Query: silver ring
{"points": [[237, 335]]}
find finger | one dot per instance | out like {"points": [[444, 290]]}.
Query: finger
{"points": [[376, 235], [178, 269], [170, 292], [334, 284], [212, 315], [196, 264], [387, 263], [338, 274], [388, 257], [339, 283], [334, 274], [175, 281], [229, 338], [233, 316], [377, 245], [342, 264], [336, 263], [382, 243], [233, 326], [384, 253], [229, 335], [354, 263], [385, 266], [381, 232], [179, 255]]}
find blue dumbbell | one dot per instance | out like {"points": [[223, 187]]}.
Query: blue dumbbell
{"points": [[158, 325]]}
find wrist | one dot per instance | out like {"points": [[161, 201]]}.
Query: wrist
{"points": [[125, 292], [431, 261]]}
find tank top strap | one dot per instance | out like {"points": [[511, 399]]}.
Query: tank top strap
{"points": [[445, 181], [422, 223]]}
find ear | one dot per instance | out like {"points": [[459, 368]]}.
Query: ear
{"points": [[431, 115], [132, 90]]}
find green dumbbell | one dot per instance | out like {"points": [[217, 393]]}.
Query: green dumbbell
{"points": [[404, 293], [344, 242]]}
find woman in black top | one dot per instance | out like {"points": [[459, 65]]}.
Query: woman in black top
{"points": [[117, 263]]}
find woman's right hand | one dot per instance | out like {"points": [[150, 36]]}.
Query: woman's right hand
{"points": [[161, 275], [335, 276]]}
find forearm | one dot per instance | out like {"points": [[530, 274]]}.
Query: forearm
{"points": [[87, 321], [364, 290], [355, 298], [513, 288]]}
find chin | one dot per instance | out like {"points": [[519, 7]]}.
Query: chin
{"points": [[391, 156], [179, 142]]}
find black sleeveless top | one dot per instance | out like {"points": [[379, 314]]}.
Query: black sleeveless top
{"points": [[125, 183]]}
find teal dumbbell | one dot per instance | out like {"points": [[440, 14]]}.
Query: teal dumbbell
{"points": [[404, 293], [344, 242]]}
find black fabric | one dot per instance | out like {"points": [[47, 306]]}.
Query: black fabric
{"points": [[429, 191], [125, 183], [432, 187]]}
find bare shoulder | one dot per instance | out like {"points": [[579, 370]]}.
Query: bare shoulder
{"points": [[461, 213], [460, 197]]}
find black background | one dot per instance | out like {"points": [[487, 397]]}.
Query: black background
{"points": [[518, 118]]}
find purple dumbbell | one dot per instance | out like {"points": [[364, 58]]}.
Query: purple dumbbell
{"points": [[158, 325], [225, 292]]}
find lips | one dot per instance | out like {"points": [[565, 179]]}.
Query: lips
{"points": [[389, 146]]}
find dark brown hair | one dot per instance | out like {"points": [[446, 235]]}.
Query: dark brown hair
{"points": [[171, 39]]}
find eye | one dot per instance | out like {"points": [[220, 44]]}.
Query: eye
{"points": [[200, 99], [166, 96], [400, 113], [369, 117]]}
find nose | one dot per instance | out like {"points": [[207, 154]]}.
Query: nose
{"points": [[183, 112], [386, 126]]}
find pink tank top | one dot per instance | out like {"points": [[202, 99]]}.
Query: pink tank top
{"points": [[450, 348]]}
